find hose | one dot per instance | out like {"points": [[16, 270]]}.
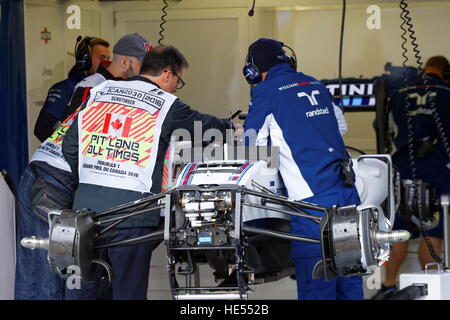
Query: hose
{"points": [[410, 293]]}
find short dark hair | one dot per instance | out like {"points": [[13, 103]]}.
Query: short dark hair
{"points": [[98, 41], [438, 62], [161, 58]]}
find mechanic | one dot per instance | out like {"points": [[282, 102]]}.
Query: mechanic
{"points": [[47, 182], [295, 112], [432, 162], [129, 51], [124, 134], [89, 52]]}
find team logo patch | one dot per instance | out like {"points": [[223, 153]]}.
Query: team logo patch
{"points": [[148, 46]]}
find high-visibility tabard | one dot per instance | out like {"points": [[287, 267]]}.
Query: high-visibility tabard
{"points": [[119, 134], [50, 150]]}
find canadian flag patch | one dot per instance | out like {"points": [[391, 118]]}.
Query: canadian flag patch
{"points": [[117, 125]]}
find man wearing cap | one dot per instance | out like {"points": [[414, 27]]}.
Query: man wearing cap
{"points": [[128, 52], [118, 144], [295, 112], [34, 279]]}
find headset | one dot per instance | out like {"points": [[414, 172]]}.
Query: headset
{"points": [[83, 53], [251, 71]]}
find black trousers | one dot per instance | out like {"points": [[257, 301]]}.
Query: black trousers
{"points": [[130, 267]]}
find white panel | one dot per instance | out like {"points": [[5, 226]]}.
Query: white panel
{"points": [[7, 242], [265, 24], [213, 41], [44, 61], [365, 51], [314, 34]]}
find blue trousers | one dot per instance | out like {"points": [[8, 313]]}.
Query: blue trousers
{"points": [[130, 267], [340, 288], [34, 278], [305, 255]]}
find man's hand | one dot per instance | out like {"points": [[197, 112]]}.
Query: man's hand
{"points": [[238, 131]]}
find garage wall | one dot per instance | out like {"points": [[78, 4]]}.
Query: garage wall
{"points": [[214, 36], [45, 61], [49, 61], [314, 33]]}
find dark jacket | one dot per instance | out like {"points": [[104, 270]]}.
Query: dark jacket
{"points": [[295, 112], [100, 198], [83, 88], [433, 167], [54, 107]]}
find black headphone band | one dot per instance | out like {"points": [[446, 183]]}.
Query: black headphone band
{"points": [[292, 50], [82, 46], [83, 53], [249, 54]]}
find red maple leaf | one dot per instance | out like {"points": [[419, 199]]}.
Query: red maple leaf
{"points": [[116, 124]]}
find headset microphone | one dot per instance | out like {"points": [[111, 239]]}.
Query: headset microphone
{"points": [[252, 10]]}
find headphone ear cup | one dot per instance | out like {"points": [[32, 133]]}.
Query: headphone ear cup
{"points": [[84, 63], [251, 71], [83, 54], [251, 74]]}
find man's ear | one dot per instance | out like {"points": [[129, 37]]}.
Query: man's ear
{"points": [[124, 62], [165, 76]]}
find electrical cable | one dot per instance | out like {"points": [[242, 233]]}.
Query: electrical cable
{"points": [[355, 149], [406, 27], [163, 19], [341, 44]]}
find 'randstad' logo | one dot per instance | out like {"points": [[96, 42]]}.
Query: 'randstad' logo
{"points": [[317, 112]]}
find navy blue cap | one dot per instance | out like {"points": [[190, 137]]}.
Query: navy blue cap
{"points": [[132, 45], [266, 53]]}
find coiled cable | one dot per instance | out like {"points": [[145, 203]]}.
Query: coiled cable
{"points": [[406, 27], [341, 44], [412, 34], [163, 21]]}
